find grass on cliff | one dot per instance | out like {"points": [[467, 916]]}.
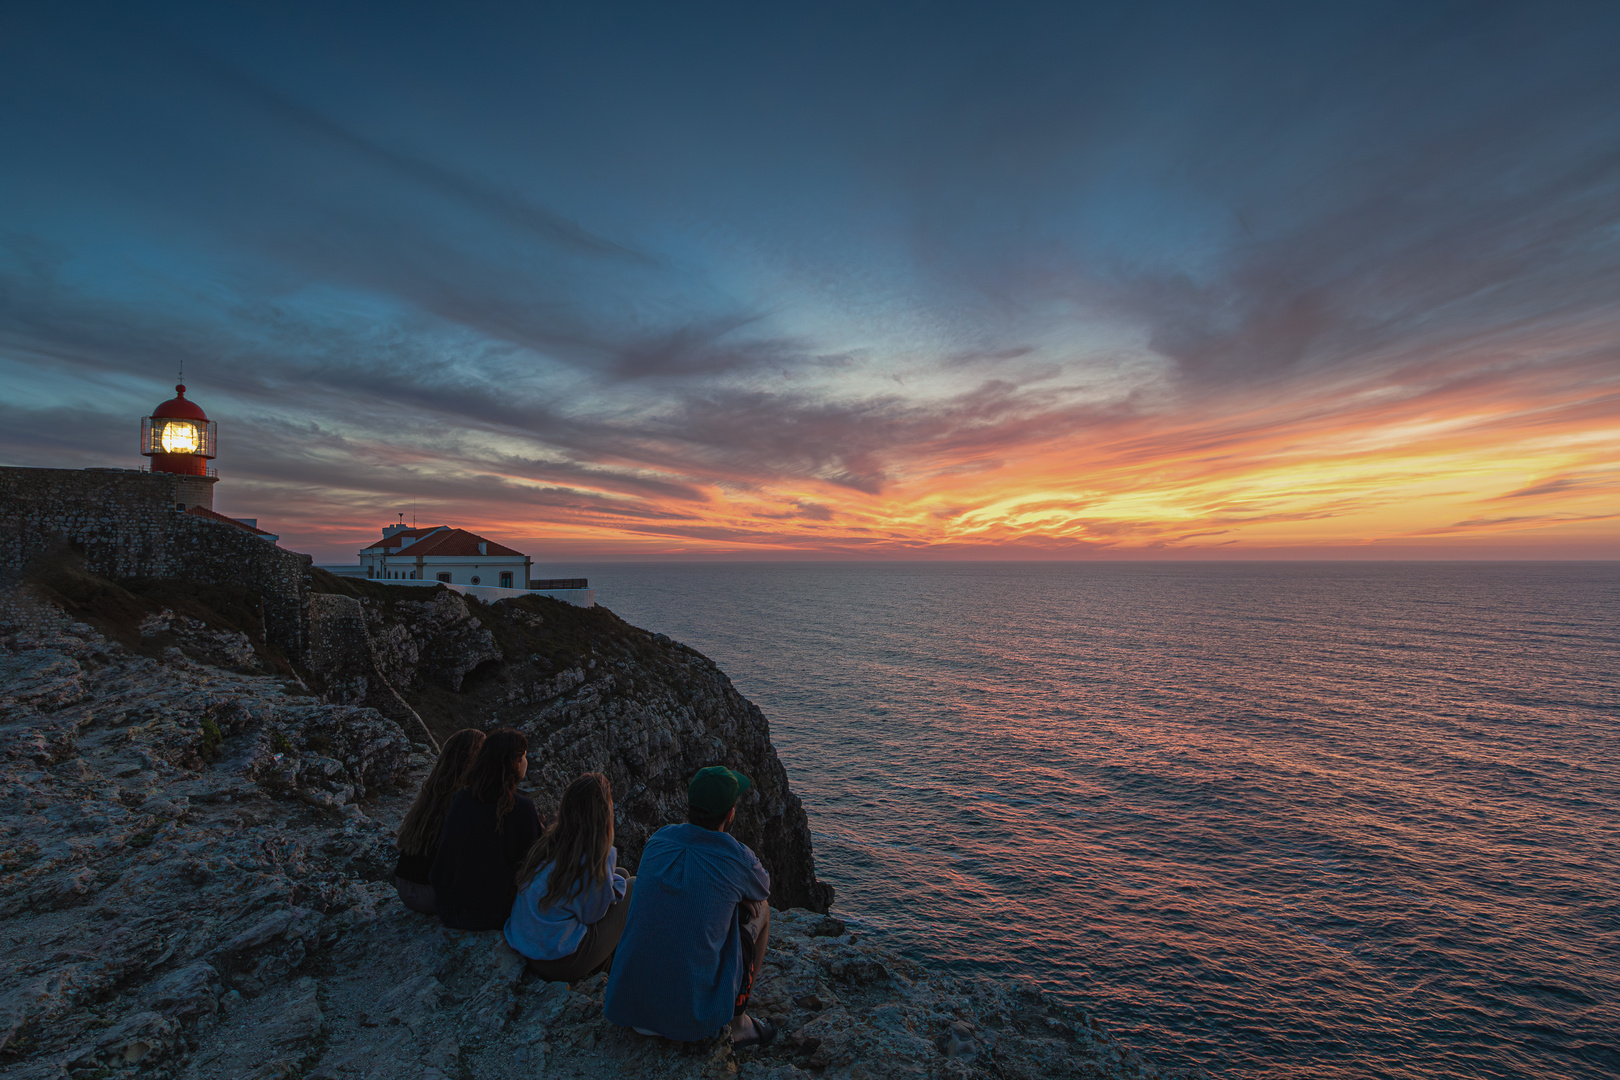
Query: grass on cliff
{"points": [[558, 633], [538, 636], [117, 608]]}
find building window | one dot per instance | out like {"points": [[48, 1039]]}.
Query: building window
{"points": [[475, 579], [506, 580], [445, 578], [370, 572]]}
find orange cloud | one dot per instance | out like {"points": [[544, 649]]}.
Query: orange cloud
{"points": [[1424, 460]]}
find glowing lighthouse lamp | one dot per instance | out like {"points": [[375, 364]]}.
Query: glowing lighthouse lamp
{"points": [[179, 437]]}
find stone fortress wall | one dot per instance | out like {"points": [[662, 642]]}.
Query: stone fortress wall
{"points": [[128, 524]]}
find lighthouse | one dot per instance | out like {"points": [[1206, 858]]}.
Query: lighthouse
{"points": [[180, 439]]}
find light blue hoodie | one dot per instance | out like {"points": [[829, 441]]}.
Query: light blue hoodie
{"points": [[680, 963], [554, 933]]}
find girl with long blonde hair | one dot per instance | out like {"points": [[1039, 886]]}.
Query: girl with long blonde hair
{"points": [[418, 838], [572, 900]]}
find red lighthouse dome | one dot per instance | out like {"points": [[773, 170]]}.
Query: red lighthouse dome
{"points": [[179, 437]]}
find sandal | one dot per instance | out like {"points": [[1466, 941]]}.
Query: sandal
{"points": [[764, 1032]]}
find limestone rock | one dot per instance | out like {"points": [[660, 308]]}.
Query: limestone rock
{"points": [[195, 868], [43, 680], [343, 662], [222, 648]]}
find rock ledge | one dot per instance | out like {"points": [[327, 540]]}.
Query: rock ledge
{"points": [[194, 883]]}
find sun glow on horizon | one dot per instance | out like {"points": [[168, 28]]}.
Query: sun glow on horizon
{"points": [[1527, 460]]}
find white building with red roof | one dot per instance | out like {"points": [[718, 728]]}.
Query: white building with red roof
{"points": [[441, 553], [462, 560]]}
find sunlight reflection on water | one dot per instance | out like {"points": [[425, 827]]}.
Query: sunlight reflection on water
{"points": [[1285, 819]]}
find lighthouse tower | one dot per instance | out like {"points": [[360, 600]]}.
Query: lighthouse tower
{"points": [[181, 440]]}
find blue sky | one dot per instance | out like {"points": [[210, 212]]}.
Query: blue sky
{"points": [[755, 278]]}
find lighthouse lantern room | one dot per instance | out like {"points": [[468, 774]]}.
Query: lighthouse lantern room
{"points": [[179, 437]]}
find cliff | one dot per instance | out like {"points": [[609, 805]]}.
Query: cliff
{"points": [[592, 693], [195, 854]]}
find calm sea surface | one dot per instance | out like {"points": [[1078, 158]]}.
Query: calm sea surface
{"points": [[1285, 820]]}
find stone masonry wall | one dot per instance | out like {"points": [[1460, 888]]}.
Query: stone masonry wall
{"points": [[126, 526]]}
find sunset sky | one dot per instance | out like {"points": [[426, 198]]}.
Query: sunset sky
{"points": [[913, 280]]}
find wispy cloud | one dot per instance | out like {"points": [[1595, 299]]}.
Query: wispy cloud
{"points": [[1316, 279]]}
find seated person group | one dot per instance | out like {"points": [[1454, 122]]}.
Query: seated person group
{"points": [[682, 950]]}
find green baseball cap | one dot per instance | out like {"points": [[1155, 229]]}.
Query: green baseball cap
{"points": [[716, 789]]}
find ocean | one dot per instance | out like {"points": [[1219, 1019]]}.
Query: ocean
{"points": [[1281, 820]]}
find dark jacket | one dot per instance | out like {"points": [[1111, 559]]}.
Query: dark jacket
{"points": [[417, 868], [473, 872]]}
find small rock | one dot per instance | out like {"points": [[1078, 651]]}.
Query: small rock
{"points": [[297, 1025], [443, 1056], [77, 884], [188, 991], [270, 926], [957, 1042]]}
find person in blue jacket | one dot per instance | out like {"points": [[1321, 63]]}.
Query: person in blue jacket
{"points": [[698, 925]]}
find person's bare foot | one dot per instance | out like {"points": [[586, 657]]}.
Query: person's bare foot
{"points": [[746, 1031]]}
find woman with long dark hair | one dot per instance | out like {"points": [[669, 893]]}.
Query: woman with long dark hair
{"points": [[418, 839], [572, 901], [489, 829]]}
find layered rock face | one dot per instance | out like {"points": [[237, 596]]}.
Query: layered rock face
{"points": [[162, 820], [591, 692], [194, 883]]}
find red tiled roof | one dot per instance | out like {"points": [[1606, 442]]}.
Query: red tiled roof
{"points": [[204, 512], [457, 543], [393, 541]]}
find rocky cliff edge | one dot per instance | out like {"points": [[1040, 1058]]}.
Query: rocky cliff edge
{"points": [[194, 866], [591, 692]]}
